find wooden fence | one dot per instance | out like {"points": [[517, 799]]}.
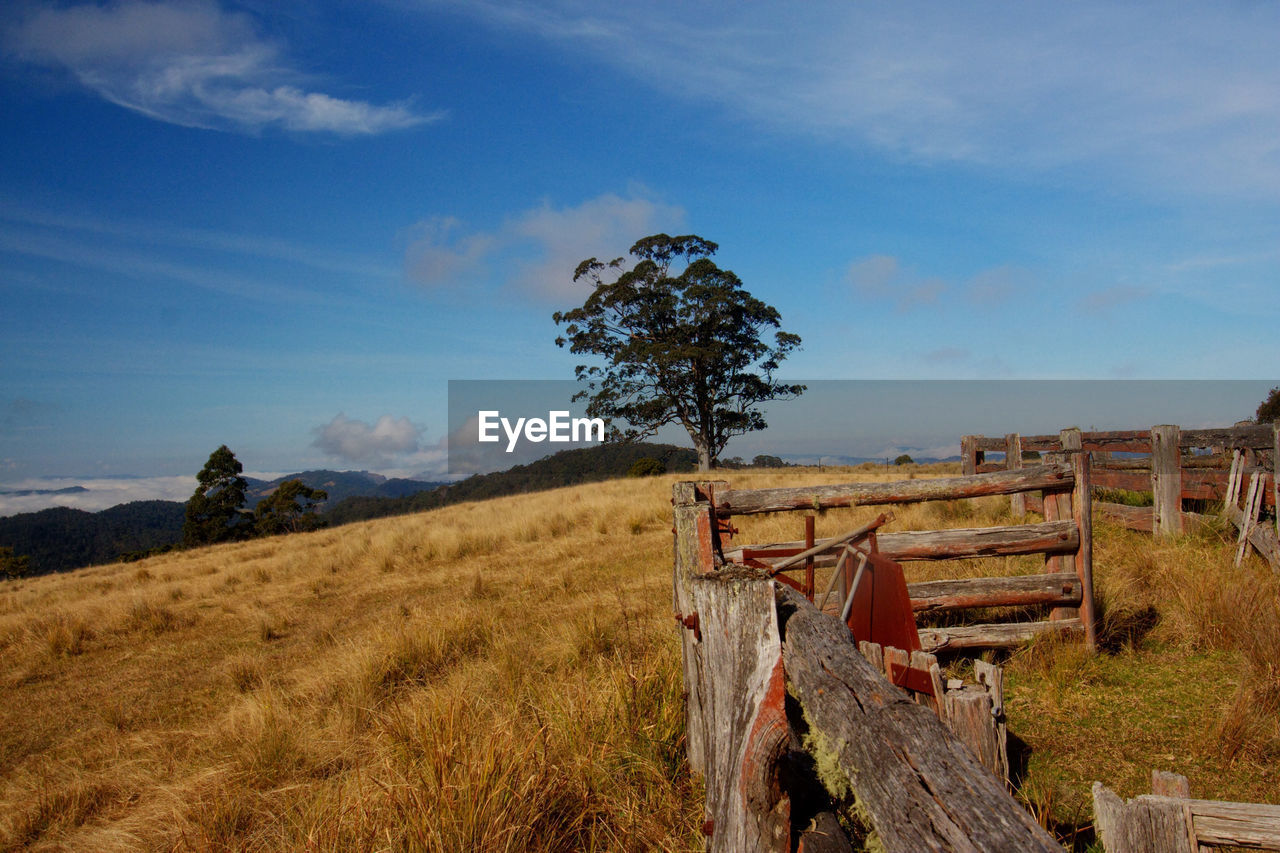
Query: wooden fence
{"points": [[786, 718], [1180, 465], [1065, 538], [1168, 821]]}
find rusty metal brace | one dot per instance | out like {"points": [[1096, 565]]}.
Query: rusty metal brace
{"points": [[692, 623]]}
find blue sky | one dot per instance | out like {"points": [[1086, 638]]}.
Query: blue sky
{"points": [[285, 226]]}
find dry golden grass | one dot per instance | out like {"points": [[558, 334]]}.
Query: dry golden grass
{"points": [[505, 676], [495, 676]]}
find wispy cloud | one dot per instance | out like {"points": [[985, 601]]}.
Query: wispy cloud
{"points": [[191, 63], [152, 234], [543, 244], [360, 442], [885, 278], [882, 278], [161, 253], [1178, 99]]}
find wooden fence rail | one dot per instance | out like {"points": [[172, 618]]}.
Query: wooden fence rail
{"points": [[750, 641], [1170, 472], [1169, 821], [1065, 538], [787, 721]]}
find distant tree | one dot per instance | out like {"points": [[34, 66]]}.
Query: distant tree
{"points": [[1033, 455], [731, 462], [646, 466], [13, 566], [291, 508], [904, 459], [1269, 409], [684, 348], [764, 460], [215, 512]]}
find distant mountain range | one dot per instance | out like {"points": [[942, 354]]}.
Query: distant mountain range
{"points": [[832, 459], [61, 538], [22, 493], [340, 485]]}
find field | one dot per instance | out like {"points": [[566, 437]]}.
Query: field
{"points": [[504, 675]]}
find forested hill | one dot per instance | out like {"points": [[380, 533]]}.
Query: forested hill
{"points": [[60, 538], [340, 485], [566, 468]]}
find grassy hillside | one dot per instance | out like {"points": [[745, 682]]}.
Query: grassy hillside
{"points": [[503, 675]]}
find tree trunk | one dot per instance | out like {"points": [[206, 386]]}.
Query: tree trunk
{"points": [[705, 460]]}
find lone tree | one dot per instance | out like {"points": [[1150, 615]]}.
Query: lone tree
{"points": [[686, 348], [215, 511], [1269, 409], [291, 508], [13, 566]]}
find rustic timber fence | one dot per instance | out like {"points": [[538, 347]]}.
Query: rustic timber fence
{"points": [[1205, 465], [1065, 538], [1168, 821], [786, 717]]}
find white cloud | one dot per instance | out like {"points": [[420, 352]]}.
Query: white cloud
{"points": [[356, 441], [1177, 98], [999, 284], [882, 277], [93, 494], [543, 245], [191, 63], [439, 254], [873, 276], [885, 278]]}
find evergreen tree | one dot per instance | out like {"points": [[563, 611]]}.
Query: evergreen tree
{"points": [[215, 512], [689, 348], [13, 566], [1269, 409], [289, 509]]}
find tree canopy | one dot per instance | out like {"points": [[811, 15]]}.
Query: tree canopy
{"points": [[13, 566], [215, 512], [291, 508], [1269, 409], [686, 348]]}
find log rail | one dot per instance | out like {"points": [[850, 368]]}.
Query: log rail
{"points": [[1168, 820], [1064, 538], [1169, 472], [788, 723]]}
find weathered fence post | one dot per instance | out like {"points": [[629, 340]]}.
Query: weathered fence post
{"points": [[1013, 462], [1058, 506], [736, 724], [694, 556], [1082, 510], [1275, 472], [1143, 825], [1166, 480], [1168, 819], [969, 454]]}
